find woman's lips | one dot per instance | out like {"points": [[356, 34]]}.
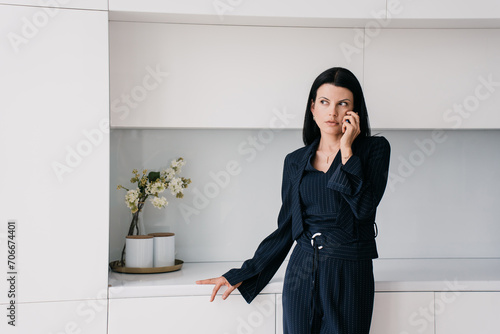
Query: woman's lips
{"points": [[332, 123]]}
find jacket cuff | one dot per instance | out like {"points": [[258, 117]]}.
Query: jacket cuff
{"points": [[247, 288], [347, 178], [234, 276]]}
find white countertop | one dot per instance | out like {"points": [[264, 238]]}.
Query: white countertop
{"points": [[390, 275]]}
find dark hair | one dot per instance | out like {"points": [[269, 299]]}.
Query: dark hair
{"points": [[339, 77]]}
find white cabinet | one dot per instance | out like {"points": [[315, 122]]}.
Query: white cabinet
{"points": [[68, 317], [196, 76], [412, 297], [246, 12], [468, 312], [212, 76], [279, 314], [448, 9], [433, 78], [55, 146], [79, 4], [403, 312], [192, 314], [310, 13]]}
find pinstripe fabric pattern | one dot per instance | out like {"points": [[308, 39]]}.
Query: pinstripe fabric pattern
{"points": [[343, 297], [319, 204], [360, 183]]}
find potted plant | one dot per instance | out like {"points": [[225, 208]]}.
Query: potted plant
{"points": [[151, 185]]}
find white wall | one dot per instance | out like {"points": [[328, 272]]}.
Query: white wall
{"points": [[441, 199], [231, 216], [442, 196]]}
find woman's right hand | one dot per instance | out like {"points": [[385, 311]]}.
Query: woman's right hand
{"points": [[219, 281]]}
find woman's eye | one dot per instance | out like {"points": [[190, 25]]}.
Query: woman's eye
{"points": [[324, 102], [343, 103]]}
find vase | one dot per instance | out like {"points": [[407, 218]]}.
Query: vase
{"points": [[164, 249], [136, 225], [139, 252], [136, 228]]}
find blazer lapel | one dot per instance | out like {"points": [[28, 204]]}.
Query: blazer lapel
{"points": [[297, 223]]}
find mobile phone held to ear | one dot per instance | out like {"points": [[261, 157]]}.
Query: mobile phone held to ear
{"points": [[348, 120]]}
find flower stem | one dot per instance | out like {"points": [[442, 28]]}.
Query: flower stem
{"points": [[134, 225]]}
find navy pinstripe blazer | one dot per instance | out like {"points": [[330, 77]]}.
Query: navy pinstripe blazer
{"points": [[361, 182]]}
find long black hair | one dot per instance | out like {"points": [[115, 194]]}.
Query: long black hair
{"points": [[340, 77]]}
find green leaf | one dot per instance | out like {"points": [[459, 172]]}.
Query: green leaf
{"points": [[153, 176]]}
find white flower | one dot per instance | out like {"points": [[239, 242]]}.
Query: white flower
{"points": [[178, 164], [155, 188], [159, 202], [175, 186], [132, 199], [168, 174], [132, 195]]}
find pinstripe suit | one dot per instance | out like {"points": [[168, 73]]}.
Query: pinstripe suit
{"points": [[361, 183]]}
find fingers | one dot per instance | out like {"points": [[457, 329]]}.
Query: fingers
{"points": [[228, 292], [214, 291], [230, 288], [351, 117], [351, 121], [219, 282], [207, 281]]}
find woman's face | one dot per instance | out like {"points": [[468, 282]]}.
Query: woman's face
{"points": [[331, 105]]}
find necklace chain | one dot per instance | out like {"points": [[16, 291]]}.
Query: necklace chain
{"points": [[327, 156]]}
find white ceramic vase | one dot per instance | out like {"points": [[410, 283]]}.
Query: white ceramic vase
{"points": [[164, 249], [139, 251]]}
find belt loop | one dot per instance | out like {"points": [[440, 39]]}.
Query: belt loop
{"points": [[376, 229]]}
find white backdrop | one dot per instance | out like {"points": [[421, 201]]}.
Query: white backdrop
{"points": [[441, 200]]}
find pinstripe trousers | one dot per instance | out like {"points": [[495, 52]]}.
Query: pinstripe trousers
{"points": [[323, 294]]}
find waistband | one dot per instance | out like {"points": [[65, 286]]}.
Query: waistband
{"points": [[325, 241], [338, 243]]}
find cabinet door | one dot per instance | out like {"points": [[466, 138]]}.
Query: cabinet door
{"points": [[193, 314], [80, 4], [68, 317], [54, 143], [468, 312], [252, 11], [403, 313], [447, 9], [433, 78], [215, 76], [279, 314]]}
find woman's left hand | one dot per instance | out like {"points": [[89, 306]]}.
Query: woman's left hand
{"points": [[350, 129], [219, 282]]}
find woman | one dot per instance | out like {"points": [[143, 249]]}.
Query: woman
{"points": [[330, 192]]}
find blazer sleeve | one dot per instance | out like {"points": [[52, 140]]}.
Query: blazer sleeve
{"points": [[256, 272], [362, 183]]}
